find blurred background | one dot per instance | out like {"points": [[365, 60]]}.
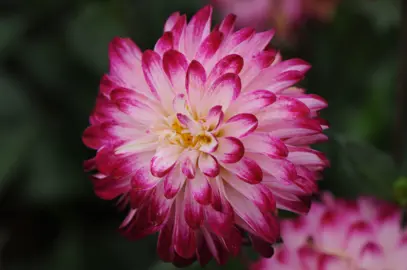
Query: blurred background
{"points": [[53, 54]]}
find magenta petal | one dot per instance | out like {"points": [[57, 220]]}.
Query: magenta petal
{"points": [[164, 159], [178, 32], [189, 163], [214, 118], [171, 21], [195, 81], [247, 170], [155, 77], [164, 44], [230, 150], [108, 188], [197, 29], [193, 211], [165, 248], [208, 47], [208, 165], [263, 143], [220, 223], [253, 101], [201, 189], [227, 25], [232, 63], [142, 179], [224, 90], [183, 237], [262, 224], [175, 66], [259, 194], [240, 125], [173, 182]]}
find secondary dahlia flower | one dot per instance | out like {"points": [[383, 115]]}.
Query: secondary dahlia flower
{"points": [[283, 15], [342, 235], [204, 137]]}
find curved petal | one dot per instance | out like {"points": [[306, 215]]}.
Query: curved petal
{"points": [[173, 182], [246, 169], [164, 159], [263, 143], [201, 189], [164, 44], [208, 165], [230, 150], [239, 125], [198, 29], [175, 66]]}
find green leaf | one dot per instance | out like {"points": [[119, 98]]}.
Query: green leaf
{"points": [[90, 32]]}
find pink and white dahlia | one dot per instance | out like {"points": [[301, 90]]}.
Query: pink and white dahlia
{"points": [[342, 235], [204, 137]]}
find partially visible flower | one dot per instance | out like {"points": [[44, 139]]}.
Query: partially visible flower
{"points": [[286, 16], [252, 13], [283, 15], [322, 10], [342, 235], [205, 137]]}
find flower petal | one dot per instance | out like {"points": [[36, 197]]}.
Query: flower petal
{"points": [[232, 63], [259, 194], [189, 163], [264, 225], [196, 78], [223, 91], [171, 21], [156, 79], [230, 150], [164, 159], [198, 29], [164, 44], [246, 169], [252, 102], [183, 237], [209, 47], [201, 189], [175, 66], [214, 118], [125, 61], [240, 125], [228, 24], [173, 182], [208, 165], [142, 179], [263, 143], [193, 211]]}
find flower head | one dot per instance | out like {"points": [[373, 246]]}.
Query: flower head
{"points": [[205, 137], [336, 235], [286, 16]]}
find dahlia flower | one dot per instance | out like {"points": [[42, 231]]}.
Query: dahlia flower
{"points": [[283, 15], [204, 137], [342, 235], [286, 16]]}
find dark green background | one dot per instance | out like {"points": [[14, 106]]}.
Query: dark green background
{"points": [[52, 56]]}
